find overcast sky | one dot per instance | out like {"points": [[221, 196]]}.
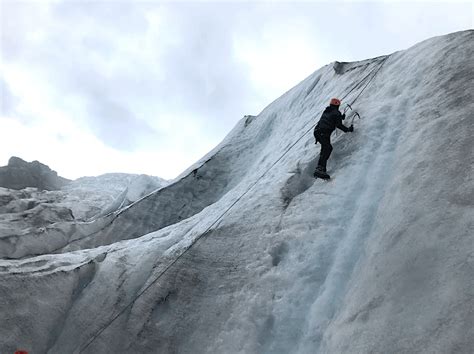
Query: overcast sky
{"points": [[90, 87]]}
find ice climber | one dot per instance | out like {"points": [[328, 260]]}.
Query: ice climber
{"points": [[329, 121]]}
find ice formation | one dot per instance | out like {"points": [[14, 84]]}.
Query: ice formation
{"points": [[245, 252]]}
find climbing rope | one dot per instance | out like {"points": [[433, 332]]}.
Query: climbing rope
{"points": [[106, 325], [367, 84], [374, 70], [363, 79]]}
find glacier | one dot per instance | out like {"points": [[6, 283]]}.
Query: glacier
{"points": [[245, 252]]}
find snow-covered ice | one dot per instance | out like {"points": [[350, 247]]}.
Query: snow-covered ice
{"points": [[377, 260], [36, 221]]}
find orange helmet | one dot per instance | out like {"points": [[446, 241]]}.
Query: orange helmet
{"points": [[335, 102]]}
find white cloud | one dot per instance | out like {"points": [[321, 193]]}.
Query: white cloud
{"points": [[279, 62]]}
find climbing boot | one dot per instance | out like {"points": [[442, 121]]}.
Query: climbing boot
{"points": [[320, 172]]}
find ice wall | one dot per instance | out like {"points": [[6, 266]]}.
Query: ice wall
{"points": [[379, 259]]}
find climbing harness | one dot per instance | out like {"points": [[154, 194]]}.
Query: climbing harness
{"points": [[81, 349]]}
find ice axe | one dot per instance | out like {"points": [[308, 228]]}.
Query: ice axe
{"points": [[354, 115], [348, 106]]}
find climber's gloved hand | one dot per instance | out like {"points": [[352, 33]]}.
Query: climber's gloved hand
{"points": [[343, 116], [351, 128]]}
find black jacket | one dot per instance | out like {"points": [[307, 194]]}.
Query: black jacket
{"points": [[330, 120]]}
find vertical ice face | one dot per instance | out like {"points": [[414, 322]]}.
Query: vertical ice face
{"points": [[379, 259]]}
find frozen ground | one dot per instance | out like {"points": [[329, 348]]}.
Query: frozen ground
{"points": [[377, 260]]}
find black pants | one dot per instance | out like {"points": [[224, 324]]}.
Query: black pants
{"points": [[326, 148]]}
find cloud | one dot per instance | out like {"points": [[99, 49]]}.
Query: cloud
{"points": [[96, 59], [8, 101], [202, 71], [117, 126]]}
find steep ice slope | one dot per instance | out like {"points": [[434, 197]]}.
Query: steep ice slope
{"points": [[380, 259]]}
